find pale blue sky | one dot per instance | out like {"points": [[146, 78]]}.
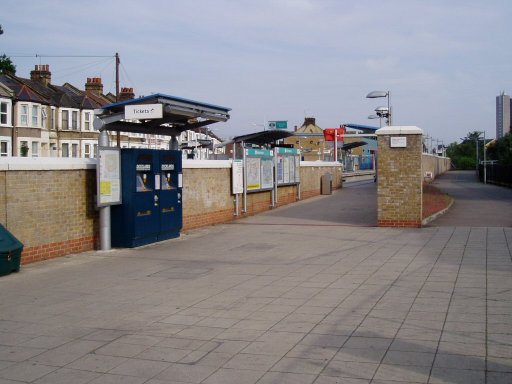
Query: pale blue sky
{"points": [[443, 61]]}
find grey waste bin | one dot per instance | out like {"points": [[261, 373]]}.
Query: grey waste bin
{"points": [[326, 184]]}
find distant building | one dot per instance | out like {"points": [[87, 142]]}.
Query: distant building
{"points": [[503, 118], [309, 138]]}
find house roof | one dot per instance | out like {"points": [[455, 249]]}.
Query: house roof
{"points": [[309, 126], [20, 90], [65, 95], [6, 91]]}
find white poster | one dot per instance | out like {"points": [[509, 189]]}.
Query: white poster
{"points": [[286, 169], [292, 170], [267, 168], [253, 173], [109, 176], [297, 169], [237, 177]]}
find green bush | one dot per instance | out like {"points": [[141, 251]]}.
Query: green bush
{"points": [[464, 162]]}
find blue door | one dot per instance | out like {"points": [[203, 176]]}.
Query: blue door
{"points": [[170, 198], [151, 192]]}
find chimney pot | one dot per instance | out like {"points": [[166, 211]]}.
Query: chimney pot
{"points": [[94, 85], [42, 74]]}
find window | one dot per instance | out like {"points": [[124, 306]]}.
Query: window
{"points": [[53, 119], [74, 150], [65, 120], [65, 150], [87, 121], [24, 148], [24, 114], [35, 149], [43, 117], [74, 120], [87, 150], [35, 116], [95, 150], [3, 113], [3, 148]]}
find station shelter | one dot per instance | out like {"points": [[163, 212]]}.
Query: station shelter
{"points": [[140, 190]]}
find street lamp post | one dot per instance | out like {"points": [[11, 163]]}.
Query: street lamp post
{"points": [[386, 94], [485, 155], [377, 117]]}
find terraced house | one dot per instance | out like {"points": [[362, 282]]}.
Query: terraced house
{"points": [[38, 118], [49, 120]]}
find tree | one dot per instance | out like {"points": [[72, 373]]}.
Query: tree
{"points": [[463, 155], [6, 65], [501, 150]]}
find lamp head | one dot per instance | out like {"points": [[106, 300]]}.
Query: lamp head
{"points": [[382, 110], [376, 94]]}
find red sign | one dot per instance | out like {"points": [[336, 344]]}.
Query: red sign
{"points": [[330, 133]]}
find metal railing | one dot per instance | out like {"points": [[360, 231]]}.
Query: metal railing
{"points": [[495, 173]]}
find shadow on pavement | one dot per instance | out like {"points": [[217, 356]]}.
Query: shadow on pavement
{"points": [[353, 205]]}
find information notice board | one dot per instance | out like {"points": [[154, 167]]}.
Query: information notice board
{"points": [[237, 177], [260, 169], [288, 166], [108, 176]]}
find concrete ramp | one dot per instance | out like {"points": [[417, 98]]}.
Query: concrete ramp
{"points": [[476, 204]]}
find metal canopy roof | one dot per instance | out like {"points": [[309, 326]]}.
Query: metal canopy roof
{"points": [[364, 128], [263, 137], [178, 115], [352, 145]]}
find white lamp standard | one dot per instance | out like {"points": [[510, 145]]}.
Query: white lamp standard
{"points": [[377, 94]]}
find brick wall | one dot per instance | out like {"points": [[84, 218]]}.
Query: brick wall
{"points": [[49, 204], [207, 197], [49, 208], [399, 186]]}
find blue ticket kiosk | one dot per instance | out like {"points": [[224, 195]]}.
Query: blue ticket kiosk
{"points": [[151, 208]]}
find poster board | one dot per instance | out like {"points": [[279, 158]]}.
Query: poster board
{"points": [[288, 166], [260, 169], [108, 176]]}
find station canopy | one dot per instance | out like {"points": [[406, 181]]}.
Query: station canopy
{"points": [[352, 145], [263, 137], [177, 115]]}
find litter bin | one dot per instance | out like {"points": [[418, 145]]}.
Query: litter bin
{"points": [[326, 184], [10, 252]]}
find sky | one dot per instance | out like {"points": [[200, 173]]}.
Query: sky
{"points": [[442, 61]]}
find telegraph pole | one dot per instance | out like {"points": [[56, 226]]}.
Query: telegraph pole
{"points": [[118, 61]]}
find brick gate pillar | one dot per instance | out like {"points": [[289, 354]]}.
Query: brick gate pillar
{"points": [[399, 181]]}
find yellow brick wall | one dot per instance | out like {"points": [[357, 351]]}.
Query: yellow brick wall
{"points": [[399, 187], [53, 212], [50, 207]]}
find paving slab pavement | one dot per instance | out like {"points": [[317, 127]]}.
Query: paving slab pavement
{"points": [[263, 301]]}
